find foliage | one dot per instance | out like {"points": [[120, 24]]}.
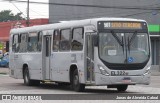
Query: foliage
{"points": [[7, 15]]}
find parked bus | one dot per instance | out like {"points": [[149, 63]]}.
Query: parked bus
{"points": [[114, 52]]}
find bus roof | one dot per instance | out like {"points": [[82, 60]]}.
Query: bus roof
{"points": [[67, 24]]}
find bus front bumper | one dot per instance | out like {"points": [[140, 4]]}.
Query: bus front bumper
{"points": [[118, 80]]}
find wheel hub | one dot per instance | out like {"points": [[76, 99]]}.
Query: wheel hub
{"points": [[26, 78], [76, 80]]}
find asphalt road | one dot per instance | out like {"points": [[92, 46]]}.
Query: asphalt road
{"points": [[10, 85]]}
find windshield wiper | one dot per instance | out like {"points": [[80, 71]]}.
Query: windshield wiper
{"points": [[131, 40], [118, 40]]}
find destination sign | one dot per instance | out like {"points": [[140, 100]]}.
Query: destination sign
{"points": [[122, 25]]}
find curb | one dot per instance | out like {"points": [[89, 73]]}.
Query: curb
{"points": [[4, 71], [155, 73]]}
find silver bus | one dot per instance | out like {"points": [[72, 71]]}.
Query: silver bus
{"points": [[113, 52]]}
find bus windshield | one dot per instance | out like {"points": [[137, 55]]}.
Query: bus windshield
{"points": [[124, 48]]}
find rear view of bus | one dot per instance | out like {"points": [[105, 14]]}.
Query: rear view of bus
{"points": [[123, 56]]}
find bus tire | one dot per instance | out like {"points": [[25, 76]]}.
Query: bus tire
{"points": [[35, 82], [63, 84], [122, 88], [26, 77], [75, 82], [27, 80]]}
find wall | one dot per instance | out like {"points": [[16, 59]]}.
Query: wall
{"points": [[61, 12], [5, 27]]}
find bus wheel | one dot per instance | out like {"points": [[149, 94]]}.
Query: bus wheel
{"points": [[27, 80], [63, 84], [26, 77], [122, 88], [75, 83], [35, 82]]}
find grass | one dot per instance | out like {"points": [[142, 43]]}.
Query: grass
{"points": [[3, 73]]}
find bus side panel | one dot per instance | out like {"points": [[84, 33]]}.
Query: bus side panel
{"points": [[34, 61], [11, 65], [14, 64], [35, 69], [60, 64], [81, 67], [12, 71]]}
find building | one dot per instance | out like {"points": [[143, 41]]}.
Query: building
{"points": [[62, 10], [5, 28]]}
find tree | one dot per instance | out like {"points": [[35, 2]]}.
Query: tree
{"points": [[7, 15]]}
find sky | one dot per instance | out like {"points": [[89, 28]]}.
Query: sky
{"points": [[36, 10]]}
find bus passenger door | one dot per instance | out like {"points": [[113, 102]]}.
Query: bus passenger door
{"points": [[46, 57], [90, 58]]}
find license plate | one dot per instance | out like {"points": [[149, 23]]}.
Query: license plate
{"points": [[126, 80], [119, 73]]}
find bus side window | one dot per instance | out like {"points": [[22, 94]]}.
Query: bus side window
{"points": [[23, 42], [15, 43], [65, 40], [77, 39], [56, 38], [39, 44], [32, 42]]}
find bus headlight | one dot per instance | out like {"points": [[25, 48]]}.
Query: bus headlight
{"points": [[147, 71], [103, 71]]}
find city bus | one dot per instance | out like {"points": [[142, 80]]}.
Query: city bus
{"points": [[111, 52]]}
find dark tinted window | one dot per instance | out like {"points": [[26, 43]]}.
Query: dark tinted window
{"points": [[15, 43], [56, 38], [32, 42], [23, 42], [77, 39], [65, 40], [39, 44]]}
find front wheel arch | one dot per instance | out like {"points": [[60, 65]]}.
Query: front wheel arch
{"points": [[77, 86], [23, 69], [27, 80], [72, 69], [26, 76]]}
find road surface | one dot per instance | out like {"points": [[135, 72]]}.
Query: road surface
{"points": [[10, 85]]}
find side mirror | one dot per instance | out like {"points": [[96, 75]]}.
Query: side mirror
{"points": [[19, 38], [95, 40], [28, 39]]}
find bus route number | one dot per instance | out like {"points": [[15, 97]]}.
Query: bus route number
{"points": [[118, 73]]}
